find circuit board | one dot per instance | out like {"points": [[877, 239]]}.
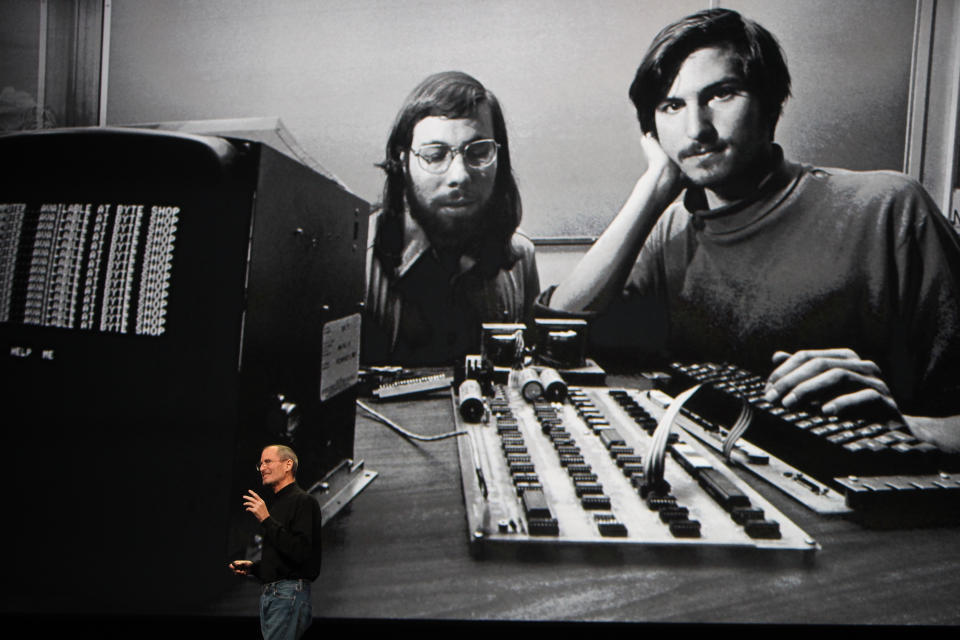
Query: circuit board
{"points": [[574, 472], [800, 486]]}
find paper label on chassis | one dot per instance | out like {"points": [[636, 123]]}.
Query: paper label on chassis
{"points": [[341, 355]]}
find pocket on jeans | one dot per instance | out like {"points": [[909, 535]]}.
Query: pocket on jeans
{"points": [[286, 591]]}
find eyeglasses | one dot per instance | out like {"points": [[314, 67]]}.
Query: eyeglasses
{"points": [[266, 462], [437, 158]]}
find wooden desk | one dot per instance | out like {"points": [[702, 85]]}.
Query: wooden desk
{"points": [[400, 550]]}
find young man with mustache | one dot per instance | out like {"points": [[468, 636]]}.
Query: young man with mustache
{"points": [[843, 283]]}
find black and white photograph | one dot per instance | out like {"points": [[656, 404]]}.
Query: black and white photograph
{"points": [[444, 315]]}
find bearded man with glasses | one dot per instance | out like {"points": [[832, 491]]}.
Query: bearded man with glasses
{"points": [[445, 255]]}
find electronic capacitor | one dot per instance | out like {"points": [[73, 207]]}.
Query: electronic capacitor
{"points": [[471, 400], [554, 388], [528, 382]]}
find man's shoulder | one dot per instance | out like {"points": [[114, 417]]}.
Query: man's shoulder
{"points": [[373, 222], [298, 491], [300, 496], [522, 243], [868, 184], [674, 221]]}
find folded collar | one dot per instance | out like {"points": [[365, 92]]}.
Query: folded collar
{"points": [[416, 243], [742, 213]]}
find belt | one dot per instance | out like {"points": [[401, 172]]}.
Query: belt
{"points": [[302, 583]]}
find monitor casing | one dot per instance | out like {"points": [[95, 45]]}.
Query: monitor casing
{"points": [[144, 370]]}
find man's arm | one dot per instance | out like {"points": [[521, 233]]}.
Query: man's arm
{"points": [[943, 432], [601, 273], [294, 540]]}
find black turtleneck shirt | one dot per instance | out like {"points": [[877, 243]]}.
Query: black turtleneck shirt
{"points": [[291, 537]]}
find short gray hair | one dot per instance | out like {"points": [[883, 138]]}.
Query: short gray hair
{"points": [[286, 453]]}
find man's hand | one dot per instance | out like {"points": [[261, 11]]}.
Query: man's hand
{"points": [[599, 276], [241, 567], [837, 379], [659, 164], [255, 505]]}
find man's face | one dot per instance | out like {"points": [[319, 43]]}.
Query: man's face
{"points": [[272, 468], [449, 205], [710, 126]]}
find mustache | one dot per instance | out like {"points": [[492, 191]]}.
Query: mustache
{"points": [[458, 196], [697, 149]]}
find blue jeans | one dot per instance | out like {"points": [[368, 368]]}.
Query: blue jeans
{"points": [[285, 609]]}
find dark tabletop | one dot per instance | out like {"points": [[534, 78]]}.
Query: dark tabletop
{"points": [[400, 550]]}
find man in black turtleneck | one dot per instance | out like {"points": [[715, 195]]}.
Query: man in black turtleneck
{"points": [[291, 546], [843, 283]]}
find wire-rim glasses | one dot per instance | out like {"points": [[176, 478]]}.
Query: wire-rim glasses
{"points": [[437, 158]]}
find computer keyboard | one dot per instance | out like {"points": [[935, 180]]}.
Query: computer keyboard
{"points": [[876, 465]]}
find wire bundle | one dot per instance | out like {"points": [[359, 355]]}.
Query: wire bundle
{"points": [[403, 432], [661, 437], [738, 429]]}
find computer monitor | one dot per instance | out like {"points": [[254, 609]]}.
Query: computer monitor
{"points": [[169, 304]]}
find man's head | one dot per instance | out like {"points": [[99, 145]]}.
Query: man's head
{"points": [[711, 89], [440, 160], [759, 59], [278, 466]]}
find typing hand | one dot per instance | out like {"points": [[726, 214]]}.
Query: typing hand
{"points": [[837, 379], [241, 567], [255, 505]]}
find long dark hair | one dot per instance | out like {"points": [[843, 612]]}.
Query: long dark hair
{"points": [[762, 62], [452, 94]]}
